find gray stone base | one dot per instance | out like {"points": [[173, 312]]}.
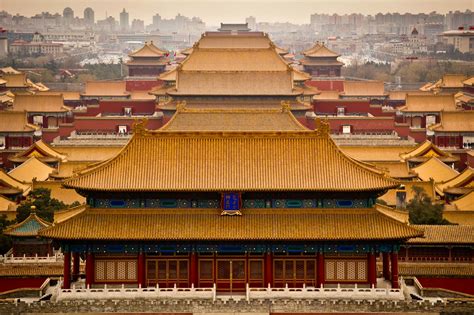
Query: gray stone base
{"points": [[240, 307]]}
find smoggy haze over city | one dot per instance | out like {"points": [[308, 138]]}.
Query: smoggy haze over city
{"points": [[213, 12]]}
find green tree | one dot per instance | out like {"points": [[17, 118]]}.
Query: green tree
{"points": [[5, 241], [421, 209], [45, 205]]}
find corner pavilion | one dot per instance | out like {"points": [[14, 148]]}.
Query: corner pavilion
{"points": [[263, 208]]}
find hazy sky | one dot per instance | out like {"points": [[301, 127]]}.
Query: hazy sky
{"points": [[215, 11]]}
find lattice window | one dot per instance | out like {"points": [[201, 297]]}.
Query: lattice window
{"points": [[351, 270], [110, 271], [340, 272], [121, 272], [132, 270], [278, 269], [361, 270], [330, 269], [100, 270]]}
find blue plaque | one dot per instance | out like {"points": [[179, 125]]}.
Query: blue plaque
{"points": [[231, 203]]}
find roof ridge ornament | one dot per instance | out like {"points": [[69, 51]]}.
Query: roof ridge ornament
{"points": [[322, 127], [285, 106], [181, 106], [139, 126]]}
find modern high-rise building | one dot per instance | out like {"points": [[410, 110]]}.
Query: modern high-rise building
{"points": [[68, 15], [89, 18], [124, 20]]}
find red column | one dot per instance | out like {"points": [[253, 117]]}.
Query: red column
{"points": [[268, 275], [394, 258], [193, 269], [89, 269], [386, 265], [372, 270], [141, 269], [319, 269], [67, 270], [75, 266]]}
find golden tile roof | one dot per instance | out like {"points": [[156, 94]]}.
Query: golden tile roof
{"points": [[464, 98], [68, 196], [453, 80], [41, 150], [142, 96], [391, 198], [236, 59], [233, 120], [15, 80], [327, 95], [395, 169], [6, 205], [465, 179], [64, 215], [465, 203], [148, 50], [105, 88], [469, 82], [399, 215], [9, 70], [376, 153], [364, 88], [67, 169], [209, 225], [7, 180], [11, 121], [89, 153], [234, 83], [28, 227], [444, 234], [228, 161], [425, 151], [401, 95], [67, 95], [31, 170], [232, 41], [31, 270], [319, 50], [429, 103], [168, 75], [432, 269], [434, 169], [465, 217], [455, 121], [300, 75], [2, 82], [40, 103]]}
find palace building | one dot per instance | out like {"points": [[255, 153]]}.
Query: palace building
{"points": [[234, 70], [320, 61], [148, 61], [231, 208]]}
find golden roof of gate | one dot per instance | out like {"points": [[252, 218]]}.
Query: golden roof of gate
{"points": [[41, 150], [231, 161], [425, 151], [209, 225], [429, 103], [455, 121], [233, 120], [11, 121], [40, 103], [148, 50], [436, 170], [320, 50], [364, 88]]}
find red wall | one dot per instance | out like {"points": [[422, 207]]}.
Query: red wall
{"points": [[7, 284], [141, 85], [460, 285], [116, 107], [327, 85], [369, 125]]}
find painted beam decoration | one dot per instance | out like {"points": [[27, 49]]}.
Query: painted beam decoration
{"points": [[231, 203]]}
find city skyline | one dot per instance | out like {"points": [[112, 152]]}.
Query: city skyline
{"points": [[213, 12]]}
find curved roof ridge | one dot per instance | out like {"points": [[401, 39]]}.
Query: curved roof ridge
{"points": [[32, 217], [459, 179]]}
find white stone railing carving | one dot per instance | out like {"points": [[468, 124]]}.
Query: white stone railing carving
{"points": [[352, 293], [122, 292], [10, 259]]}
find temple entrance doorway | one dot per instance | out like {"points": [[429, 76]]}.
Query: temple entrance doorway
{"points": [[231, 275]]}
